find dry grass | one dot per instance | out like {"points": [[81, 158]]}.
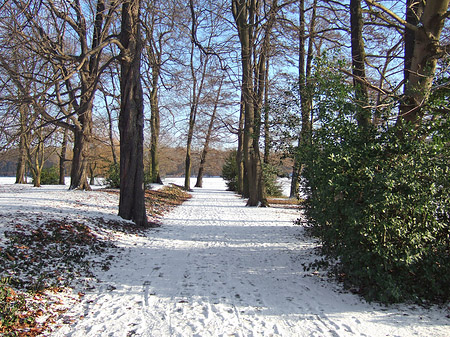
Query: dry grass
{"points": [[285, 202]]}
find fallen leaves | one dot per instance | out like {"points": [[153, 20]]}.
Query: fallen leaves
{"points": [[17, 317], [41, 257], [163, 200], [35, 260]]}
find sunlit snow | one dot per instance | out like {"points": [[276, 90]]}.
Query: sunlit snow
{"points": [[214, 268]]}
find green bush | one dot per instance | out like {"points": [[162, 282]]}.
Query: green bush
{"points": [[113, 176], [270, 175], [230, 171], [50, 176], [380, 202]]}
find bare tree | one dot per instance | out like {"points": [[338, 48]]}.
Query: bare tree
{"points": [[131, 121], [242, 183], [158, 22], [197, 89], [305, 56], [254, 52], [422, 31], [209, 132], [358, 64], [62, 157], [70, 37]]}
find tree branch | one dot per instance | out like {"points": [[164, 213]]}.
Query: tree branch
{"points": [[397, 18]]}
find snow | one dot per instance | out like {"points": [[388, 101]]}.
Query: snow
{"points": [[214, 268]]}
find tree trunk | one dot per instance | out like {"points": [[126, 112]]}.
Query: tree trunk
{"points": [[413, 13], [426, 52], [242, 186], [246, 17], [196, 94], [21, 164], [36, 158], [266, 116], [36, 178], [131, 120], [154, 127], [89, 73], [192, 116], [78, 172], [92, 173], [187, 163], [358, 64], [301, 78], [111, 133], [62, 158], [304, 91], [199, 182]]}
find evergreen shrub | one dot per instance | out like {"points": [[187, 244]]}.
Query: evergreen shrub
{"points": [[383, 209], [49, 176], [270, 175], [380, 200], [113, 176], [230, 171]]}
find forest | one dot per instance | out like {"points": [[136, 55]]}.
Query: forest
{"points": [[355, 94]]}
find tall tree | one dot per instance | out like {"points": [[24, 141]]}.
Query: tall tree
{"points": [[242, 184], [197, 88], [209, 132], [62, 157], [23, 135], [254, 52], [305, 58], [423, 48], [70, 37], [158, 22], [358, 64], [131, 119], [426, 51]]}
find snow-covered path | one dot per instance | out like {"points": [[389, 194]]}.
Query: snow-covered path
{"points": [[218, 268]]}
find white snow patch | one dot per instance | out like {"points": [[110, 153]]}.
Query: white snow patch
{"points": [[214, 268]]}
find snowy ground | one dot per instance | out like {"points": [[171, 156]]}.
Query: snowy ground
{"points": [[214, 268]]}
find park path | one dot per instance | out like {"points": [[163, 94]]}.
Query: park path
{"points": [[218, 268]]}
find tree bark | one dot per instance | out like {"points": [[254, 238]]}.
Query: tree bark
{"points": [[201, 168], [110, 130], [78, 172], [251, 153], [358, 64], [413, 13], [131, 120], [36, 157], [21, 164], [196, 94], [154, 126], [92, 167], [62, 158], [426, 52], [246, 14], [266, 116], [242, 185], [305, 58]]}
